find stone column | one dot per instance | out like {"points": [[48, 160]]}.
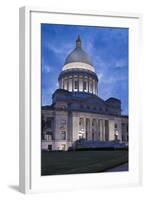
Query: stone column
{"points": [[90, 132], [78, 82], [111, 129], [62, 83], [90, 86], [75, 127], [99, 129], [68, 83], [94, 86], [70, 126], [103, 130]]}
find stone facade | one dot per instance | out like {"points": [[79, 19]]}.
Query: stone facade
{"points": [[77, 112]]}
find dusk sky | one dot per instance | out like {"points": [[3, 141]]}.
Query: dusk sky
{"points": [[107, 48]]}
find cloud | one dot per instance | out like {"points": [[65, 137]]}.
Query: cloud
{"points": [[46, 68], [89, 47], [99, 63], [113, 79], [60, 49], [121, 63]]}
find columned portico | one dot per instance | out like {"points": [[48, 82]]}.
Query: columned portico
{"points": [[93, 129]]}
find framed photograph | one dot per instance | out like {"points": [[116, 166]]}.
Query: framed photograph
{"points": [[80, 121]]}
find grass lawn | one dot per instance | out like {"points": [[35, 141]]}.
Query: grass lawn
{"points": [[74, 162]]}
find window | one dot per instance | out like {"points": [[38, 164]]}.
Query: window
{"points": [[63, 147], [88, 107], [81, 106], [49, 133], [116, 125], [50, 147], [80, 137], [76, 84], [63, 122], [84, 85], [49, 123], [92, 136], [49, 136], [100, 109], [61, 107], [63, 135]]}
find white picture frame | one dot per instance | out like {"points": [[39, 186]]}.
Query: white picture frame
{"points": [[29, 160]]}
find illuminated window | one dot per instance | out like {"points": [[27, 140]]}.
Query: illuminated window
{"points": [[63, 146]]}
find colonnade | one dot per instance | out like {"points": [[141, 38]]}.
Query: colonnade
{"points": [[94, 129], [79, 83]]}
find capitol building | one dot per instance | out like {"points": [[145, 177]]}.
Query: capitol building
{"points": [[77, 112]]}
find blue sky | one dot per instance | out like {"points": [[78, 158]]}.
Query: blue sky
{"points": [[107, 48]]}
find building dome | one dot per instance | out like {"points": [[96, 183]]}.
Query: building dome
{"points": [[78, 55], [78, 73], [78, 59]]}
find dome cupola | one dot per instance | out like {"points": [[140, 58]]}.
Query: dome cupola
{"points": [[78, 54]]}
